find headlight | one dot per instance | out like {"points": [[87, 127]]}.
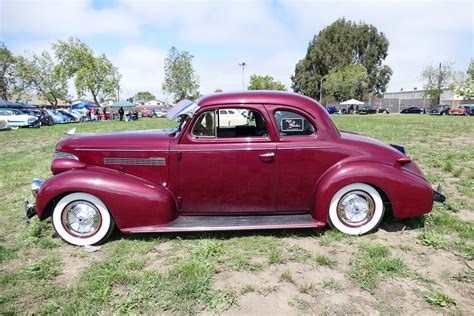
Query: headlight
{"points": [[35, 186], [62, 154]]}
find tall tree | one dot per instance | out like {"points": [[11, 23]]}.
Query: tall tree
{"points": [[463, 82], [11, 84], [347, 83], [181, 80], [46, 77], [338, 45], [437, 79], [144, 96], [265, 83], [94, 75]]}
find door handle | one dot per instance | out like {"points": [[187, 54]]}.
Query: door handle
{"points": [[267, 157]]}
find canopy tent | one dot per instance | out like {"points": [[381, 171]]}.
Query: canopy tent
{"points": [[352, 102], [122, 104], [25, 105], [81, 105], [7, 104]]}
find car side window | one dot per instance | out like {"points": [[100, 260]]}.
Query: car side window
{"points": [[205, 125], [293, 124], [230, 123]]}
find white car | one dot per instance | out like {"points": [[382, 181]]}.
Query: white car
{"points": [[231, 117], [16, 118]]}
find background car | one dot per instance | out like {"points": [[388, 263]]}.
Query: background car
{"points": [[332, 110], [230, 117], [412, 110], [440, 109], [71, 117], [470, 109], [367, 110], [41, 114], [462, 109], [383, 110], [16, 118], [58, 118]]}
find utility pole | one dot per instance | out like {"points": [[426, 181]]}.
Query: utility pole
{"points": [[243, 64]]}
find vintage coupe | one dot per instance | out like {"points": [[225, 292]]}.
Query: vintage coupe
{"points": [[285, 166]]}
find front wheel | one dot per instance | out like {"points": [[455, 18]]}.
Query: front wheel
{"points": [[82, 219], [356, 209]]}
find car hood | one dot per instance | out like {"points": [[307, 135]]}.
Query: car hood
{"points": [[151, 140], [19, 118]]}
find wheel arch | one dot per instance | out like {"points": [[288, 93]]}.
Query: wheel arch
{"points": [[403, 194], [131, 201]]}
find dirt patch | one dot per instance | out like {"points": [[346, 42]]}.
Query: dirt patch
{"points": [[75, 260]]}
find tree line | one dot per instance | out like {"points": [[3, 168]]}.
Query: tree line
{"points": [[345, 60]]}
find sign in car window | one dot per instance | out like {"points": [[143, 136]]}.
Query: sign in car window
{"points": [[292, 124]]}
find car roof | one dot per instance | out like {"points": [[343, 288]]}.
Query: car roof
{"points": [[255, 96]]}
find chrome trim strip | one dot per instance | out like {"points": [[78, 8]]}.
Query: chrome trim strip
{"points": [[136, 161]]}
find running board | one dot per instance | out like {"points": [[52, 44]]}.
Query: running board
{"points": [[219, 223]]}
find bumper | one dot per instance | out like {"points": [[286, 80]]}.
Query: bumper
{"points": [[30, 208], [438, 197]]}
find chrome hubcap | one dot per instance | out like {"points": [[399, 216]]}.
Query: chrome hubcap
{"points": [[81, 218], [355, 208]]}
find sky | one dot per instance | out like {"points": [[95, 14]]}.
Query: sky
{"points": [[269, 36]]}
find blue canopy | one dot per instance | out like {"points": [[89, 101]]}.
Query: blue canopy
{"points": [[81, 105], [7, 104], [25, 105]]}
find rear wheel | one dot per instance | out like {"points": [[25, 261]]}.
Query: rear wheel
{"points": [[82, 219], [356, 209]]}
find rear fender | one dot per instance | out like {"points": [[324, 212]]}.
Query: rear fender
{"points": [[132, 201], [408, 194]]}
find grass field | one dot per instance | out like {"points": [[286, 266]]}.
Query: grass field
{"points": [[423, 265]]}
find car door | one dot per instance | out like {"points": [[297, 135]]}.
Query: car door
{"points": [[227, 169], [302, 157]]}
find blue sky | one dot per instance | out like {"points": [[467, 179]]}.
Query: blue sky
{"points": [[270, 36]]}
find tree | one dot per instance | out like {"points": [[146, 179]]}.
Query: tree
{"points": [[463, 82], [181, 80], [347, 83], [265, 83], [218, 90], [42, 74], [11, 84], [94, 75], [437, 79], [144, 96], [338, 45]]}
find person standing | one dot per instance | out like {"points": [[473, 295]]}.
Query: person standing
{"points": [[105, 113], [121, 112]]}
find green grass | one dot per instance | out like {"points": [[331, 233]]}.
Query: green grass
{"points": [[439, 299], [373, 263], [324, 260], [123, 277]]}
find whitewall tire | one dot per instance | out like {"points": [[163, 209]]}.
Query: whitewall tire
{"points": [[82, 219], [356, 209]]}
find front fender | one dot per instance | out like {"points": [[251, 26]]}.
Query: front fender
{"points": [[132, 201], [409, 195]]}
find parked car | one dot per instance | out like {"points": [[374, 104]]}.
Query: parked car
{"points": [[440, 109], [412, 110], [460, 110], [367, 110], [58, 118], [332, 110], [470, 108], [70, 116], [231, 117], [16, 118], [383, 110], [286, 166], [41, 114]]}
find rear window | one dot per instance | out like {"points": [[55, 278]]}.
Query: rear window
{"points": [[293, 124]]}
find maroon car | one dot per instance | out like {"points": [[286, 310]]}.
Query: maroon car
{"points": [[250, 160]]}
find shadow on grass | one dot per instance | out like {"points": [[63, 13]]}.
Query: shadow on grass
{"points": [[391, 224], [222, 235]]}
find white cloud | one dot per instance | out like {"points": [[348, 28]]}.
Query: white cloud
{"points": [[72, 17], [141, 68]]}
